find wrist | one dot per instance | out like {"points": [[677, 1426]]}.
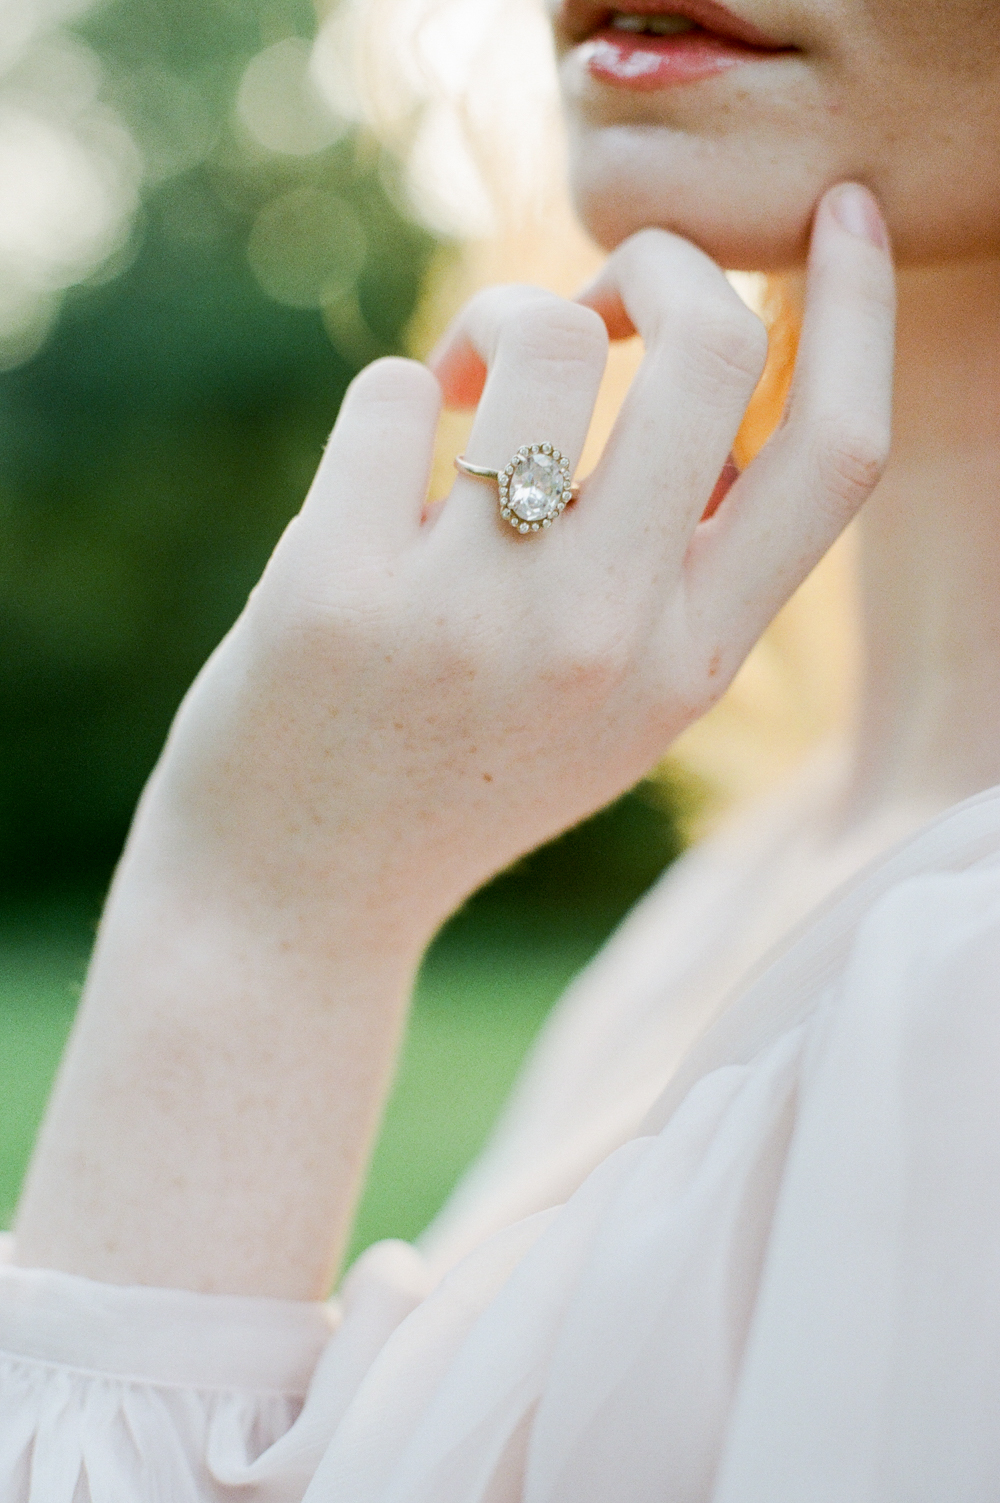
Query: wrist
{"points": [[218, 1102], [343, 896]]}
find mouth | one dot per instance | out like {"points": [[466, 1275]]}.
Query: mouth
{"points": [[651, 44], [579, 20]]}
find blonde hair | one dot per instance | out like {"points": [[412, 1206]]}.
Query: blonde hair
{"points": [[463, 92]]}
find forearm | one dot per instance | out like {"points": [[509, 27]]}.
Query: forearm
{"points": [[213, 1118]]}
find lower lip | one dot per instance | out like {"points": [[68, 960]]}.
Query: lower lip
{"points": [[649, 62]]}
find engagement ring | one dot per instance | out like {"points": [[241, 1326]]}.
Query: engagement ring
{"points": [[534, 488]]}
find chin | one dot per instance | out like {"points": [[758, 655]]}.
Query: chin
{"points": [[746, 210], [748, 202]]}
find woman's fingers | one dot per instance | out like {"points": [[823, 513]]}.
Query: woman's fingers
{"points": [[544, 359], [705, 353], [372, 481], [799, 494]]}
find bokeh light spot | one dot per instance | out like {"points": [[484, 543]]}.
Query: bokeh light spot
{"points": [[306, 247], [63, 207], [169, 119], [281, 106]]}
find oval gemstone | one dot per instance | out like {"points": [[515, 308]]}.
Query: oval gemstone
{"points": [[536, 487]]}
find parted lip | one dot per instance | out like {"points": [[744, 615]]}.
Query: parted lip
{"points": [[579, 19]]}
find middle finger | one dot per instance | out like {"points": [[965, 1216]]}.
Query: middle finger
{"points": [[705, 354]]}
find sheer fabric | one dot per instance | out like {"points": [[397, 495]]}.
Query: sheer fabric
{"points": [[720, 1252]]}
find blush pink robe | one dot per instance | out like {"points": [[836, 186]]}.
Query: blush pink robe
{"points": [[736, 1240]]}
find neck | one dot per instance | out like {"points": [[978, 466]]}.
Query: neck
{"points": [[928, 727]]}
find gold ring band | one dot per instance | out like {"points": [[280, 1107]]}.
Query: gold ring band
{"points": [[475, 471]]}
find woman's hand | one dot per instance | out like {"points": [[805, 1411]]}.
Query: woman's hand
{"points": [[408, 704]]}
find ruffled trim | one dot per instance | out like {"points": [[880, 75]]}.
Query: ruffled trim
{"points": [[141, 1395], [72, 1437]]}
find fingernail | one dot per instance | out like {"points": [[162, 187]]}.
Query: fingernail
{"points": [[856, 210]]}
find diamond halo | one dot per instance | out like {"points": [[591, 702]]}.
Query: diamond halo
{"points": [[534, 487]]}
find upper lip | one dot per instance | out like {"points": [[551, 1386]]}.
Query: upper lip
{"points": [[579, 19]]}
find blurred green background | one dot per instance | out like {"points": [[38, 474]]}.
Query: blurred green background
{"points": [[198, 255]]}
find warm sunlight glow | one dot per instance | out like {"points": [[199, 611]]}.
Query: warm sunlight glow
{"points": [[470, 89]]}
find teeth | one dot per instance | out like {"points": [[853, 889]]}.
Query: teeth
{"points": [[657, 26], [670, 26]]}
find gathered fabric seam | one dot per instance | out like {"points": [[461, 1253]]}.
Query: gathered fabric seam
{"points": [[134, 1380]]}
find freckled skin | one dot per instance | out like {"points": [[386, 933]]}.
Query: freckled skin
{"points": [[901, 94]]}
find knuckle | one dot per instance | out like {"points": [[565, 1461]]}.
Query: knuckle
{"points": [[649, 252], [651, 239], [553, 331], [851, 460], [730, 339], [722, 342], [392, 383], [587, 661], [291, 606], [698, 679], [393, 376], [656, 251], [303, 601]]}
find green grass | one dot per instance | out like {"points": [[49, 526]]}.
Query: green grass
{"points": [[43, 954], [484, 991]]}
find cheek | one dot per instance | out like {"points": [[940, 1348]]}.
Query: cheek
{"points": [[960, 38], [925, 91]]}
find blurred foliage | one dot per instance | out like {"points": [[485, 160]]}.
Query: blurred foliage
{"points": [[152, 450], [584, 882]]}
